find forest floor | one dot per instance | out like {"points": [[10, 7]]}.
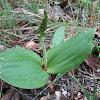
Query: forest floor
{"points": [[19, 20]]}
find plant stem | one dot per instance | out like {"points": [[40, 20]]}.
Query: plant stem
{"points": [[44, 53]]}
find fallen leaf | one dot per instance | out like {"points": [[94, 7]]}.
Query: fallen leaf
{"points": [[10, 95], [44, 98], [51, 86], [63, 4], [93, 62], [29, 45], [4, 85]]}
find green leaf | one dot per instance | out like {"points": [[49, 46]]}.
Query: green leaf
{"points": [[85, 1], [71, 53], [58, 37], [22, 68]]}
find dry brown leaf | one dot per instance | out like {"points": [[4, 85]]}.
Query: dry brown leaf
{"points": [[63, 4], [11, 95], [93, 62], [51, 86], [29, 45], [44, 98]]}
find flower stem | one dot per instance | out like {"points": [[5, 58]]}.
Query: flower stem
{"points": [[44, 53]]}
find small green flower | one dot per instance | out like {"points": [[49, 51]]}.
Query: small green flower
{"points": [[43, 25]]}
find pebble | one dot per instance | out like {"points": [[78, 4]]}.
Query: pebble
{"points": [[1, 47]]}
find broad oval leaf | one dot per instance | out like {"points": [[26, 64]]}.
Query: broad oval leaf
{"points": [[22, 68], [71, 53], [58, 37]]}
